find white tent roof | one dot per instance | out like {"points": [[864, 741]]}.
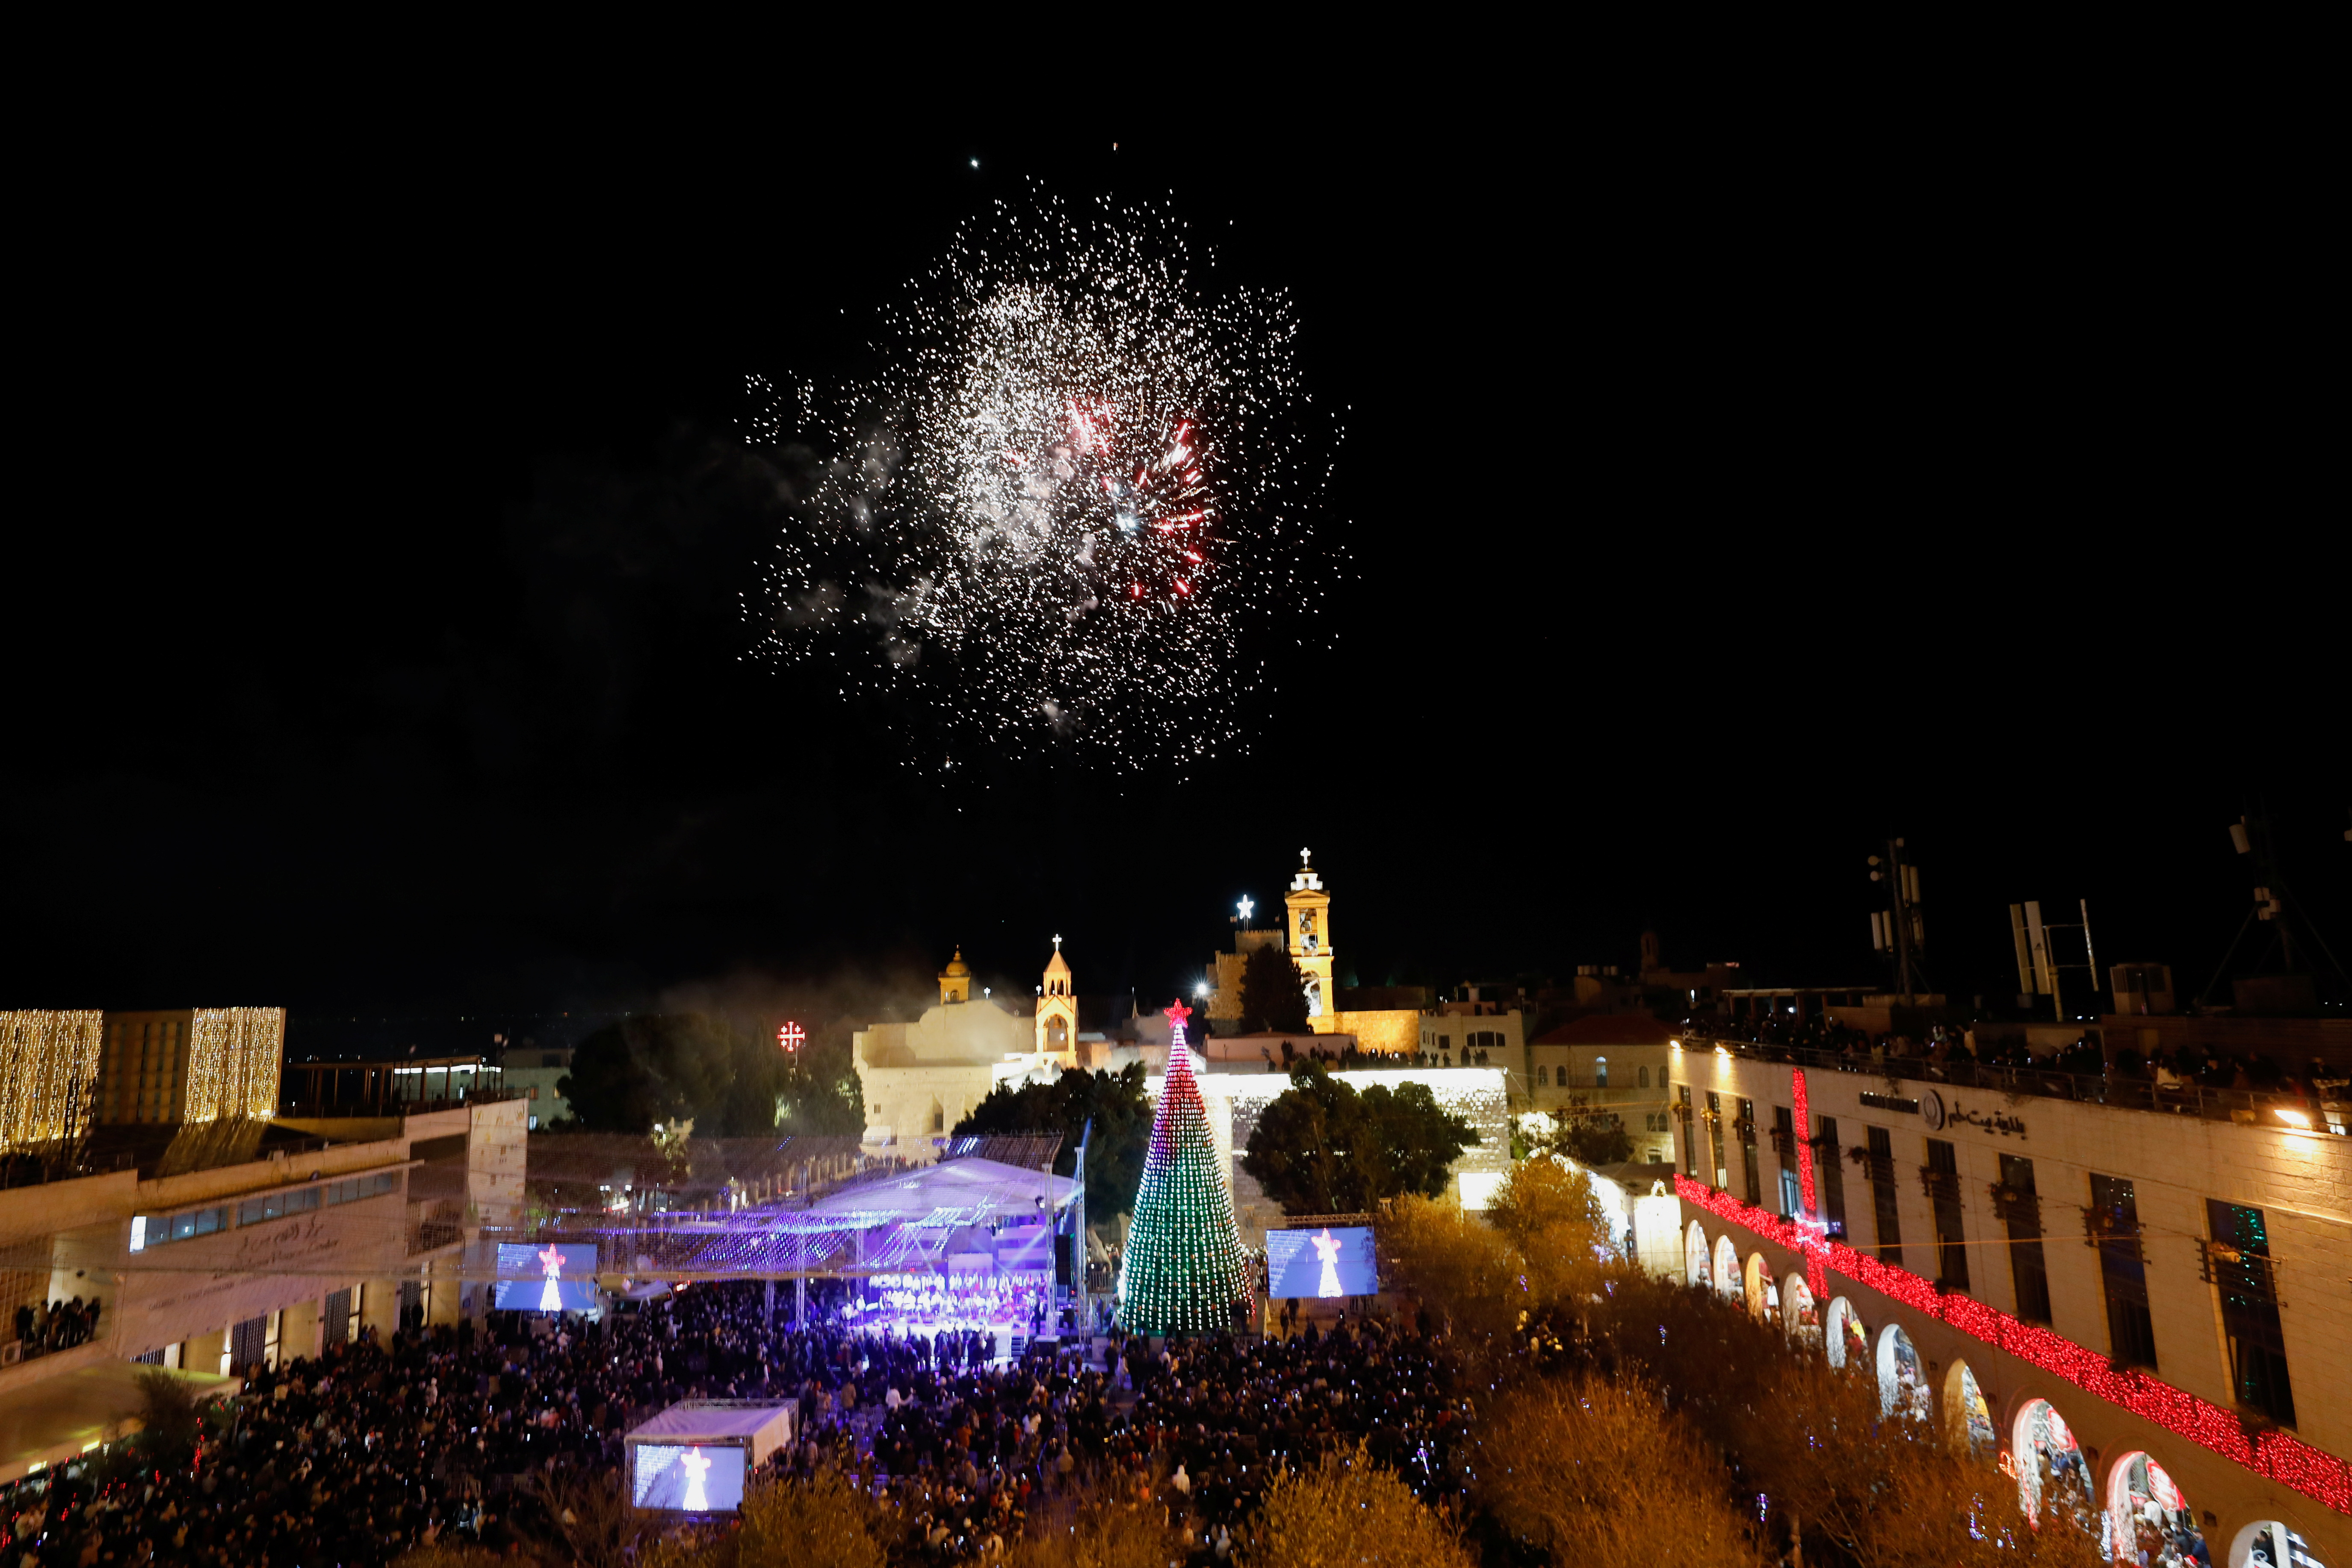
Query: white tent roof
{"points": [[953, 1191], [716, 1421]]}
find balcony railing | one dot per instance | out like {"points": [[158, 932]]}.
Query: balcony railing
{"points": [[2257, 1107]]}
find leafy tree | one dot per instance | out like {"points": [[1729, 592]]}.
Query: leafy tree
{"points": [[724, 1075], [1121, 1111], [1273, 994], [1350, 1512], [168, 1412], [1546, 1210], [1586, 1134], [1598, 1473], [1321, 1147], [1455, 1266]]}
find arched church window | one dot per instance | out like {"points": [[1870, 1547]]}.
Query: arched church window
{"points": [[1645, 1077], [1543, 1078], [1600, 1072]]}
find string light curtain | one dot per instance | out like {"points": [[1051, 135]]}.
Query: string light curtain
{"points": [[234, 1057], [48, 1067], [1185, 1271]]}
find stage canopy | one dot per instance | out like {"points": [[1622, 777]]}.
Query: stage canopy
{"points": [[950, 1194], [906, 1222]]}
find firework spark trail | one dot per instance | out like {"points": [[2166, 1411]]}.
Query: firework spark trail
{"points": [[1052, 516]]}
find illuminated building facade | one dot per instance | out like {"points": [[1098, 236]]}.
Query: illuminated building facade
{"points": [[196, 1065], [1058, 1012], [1235, 1093], [2157, 1292], [1611, 1063], [1305, 934], [49, 1064], [919, 1079]]}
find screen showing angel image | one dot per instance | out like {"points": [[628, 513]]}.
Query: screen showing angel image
{"points": [[688, 1477], [547, 1279], [1336, 1261]]}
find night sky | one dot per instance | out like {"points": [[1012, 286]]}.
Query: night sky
{"points": [[379, 653]]}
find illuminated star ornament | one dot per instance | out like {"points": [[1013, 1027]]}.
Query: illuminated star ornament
{"points": [[1184, 1272], [1048, 519]]}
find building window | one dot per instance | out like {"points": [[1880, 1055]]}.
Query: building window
{"points": [[1748, 1150], [2021, 1211], [1944, 1199], [1600, 1072], [1714, 1138], [1832, 1178], [2123, 1270], [2240, 1258], [1645, 1078], [1793, 1189], [1690, 1144], [1882, 1197], [1543, 1078]]}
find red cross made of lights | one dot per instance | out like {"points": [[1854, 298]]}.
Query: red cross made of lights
{"points": [[792, 1036]]}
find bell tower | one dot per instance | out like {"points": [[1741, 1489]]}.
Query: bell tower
{"points": [[1057, 1011], [1307, 932], [955, 980]]}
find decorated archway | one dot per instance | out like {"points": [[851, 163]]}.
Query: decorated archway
{"points": [[1755, 1286], [2271, 1544], [1968, 1417], [1902, 1377], [1694, 1254], [1800, 1316], [1847, 1340], [2146, 1515], [2053, 1482], [1727, 1269]]}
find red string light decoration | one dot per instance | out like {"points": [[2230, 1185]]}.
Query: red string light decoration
{"points": [[1817, 1277], [2288, 1460]]}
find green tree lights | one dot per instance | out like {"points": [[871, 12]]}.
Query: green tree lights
{"points": [[1184, 1272]]}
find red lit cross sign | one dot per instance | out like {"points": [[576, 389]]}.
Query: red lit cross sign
{"points": [[792, 1036]]}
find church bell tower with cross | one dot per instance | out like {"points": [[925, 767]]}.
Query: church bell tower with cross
{"points": [[1057, 1011], [1307, 932]]}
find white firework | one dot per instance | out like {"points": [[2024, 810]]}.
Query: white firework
{"points": [[1055, 515]]}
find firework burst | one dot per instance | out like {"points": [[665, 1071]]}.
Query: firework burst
{"points": [[1083, 480]]}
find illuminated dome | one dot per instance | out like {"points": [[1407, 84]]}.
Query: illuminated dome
{"points": [[955, 980]]}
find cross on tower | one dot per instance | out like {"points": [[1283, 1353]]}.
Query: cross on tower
{"points": [[792, 1036], [1306, 857], [1057, 945]]}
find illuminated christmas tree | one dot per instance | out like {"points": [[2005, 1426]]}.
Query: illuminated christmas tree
{"points": [[1184, 1272]]}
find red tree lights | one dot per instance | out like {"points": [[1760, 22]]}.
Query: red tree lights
{"points": [[2285, 1459]]}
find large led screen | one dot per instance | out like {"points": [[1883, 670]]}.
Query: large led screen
{"points": [[551, 1279], [688, 1478], [1327, 1262]]}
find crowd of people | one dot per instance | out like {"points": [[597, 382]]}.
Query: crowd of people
{"points": [[472, 1433], [1350, 1058], [2079, 1068], [55, 1325]]}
